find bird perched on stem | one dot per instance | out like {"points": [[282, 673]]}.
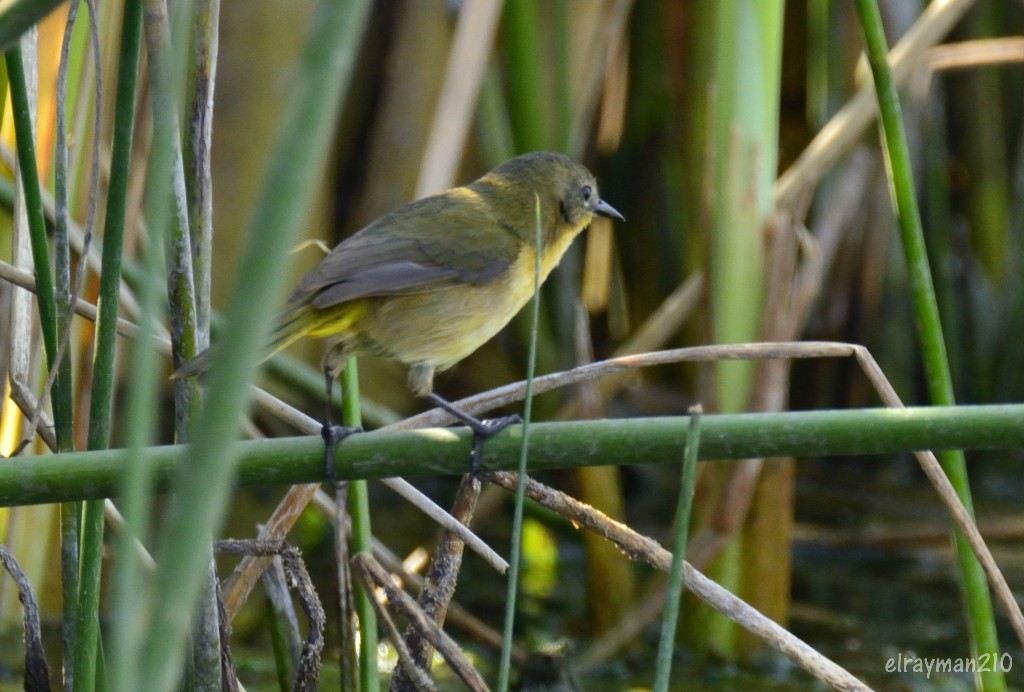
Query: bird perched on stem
{"points": [[430, 282]]}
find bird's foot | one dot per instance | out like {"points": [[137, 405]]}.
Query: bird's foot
{"points": [[332, 435], [484, 428]]}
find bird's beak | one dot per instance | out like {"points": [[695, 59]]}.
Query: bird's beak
{"points": [[602, 208]]}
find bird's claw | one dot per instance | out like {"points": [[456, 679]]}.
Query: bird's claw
{"points": [[332, 435], [483, 429]]}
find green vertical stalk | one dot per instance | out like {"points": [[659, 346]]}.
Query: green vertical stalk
{"points": [[198, 185], [87, 622], [165, 72], [83, 617], [744, 104], [818, 49], [495, 138], [362, 538], [929, 327], [748, 50], [101, 400], [680, 536], [523, 77], [79, 93], [520, 497], [100, 407]]}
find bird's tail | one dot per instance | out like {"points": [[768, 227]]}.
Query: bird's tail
{"points": [[292, 325]]}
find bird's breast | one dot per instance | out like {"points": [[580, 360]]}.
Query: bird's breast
{"points": [[441, 327]]}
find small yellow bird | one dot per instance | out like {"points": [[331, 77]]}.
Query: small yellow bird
{"points": [[430, 282]]}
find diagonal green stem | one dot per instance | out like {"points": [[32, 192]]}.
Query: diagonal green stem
{"points": [[33, 201], [929, 327]]}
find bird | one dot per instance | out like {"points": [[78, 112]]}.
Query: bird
{"points": [[430, 282]]}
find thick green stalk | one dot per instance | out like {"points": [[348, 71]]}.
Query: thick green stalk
{"points": [[747, 53], [523, 77], [443, 451], [929, 327], [87, 620]]}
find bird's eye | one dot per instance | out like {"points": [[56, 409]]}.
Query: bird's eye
{"points": [[587, 190]]}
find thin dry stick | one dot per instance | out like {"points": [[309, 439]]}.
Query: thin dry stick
{"points": [[348, 653], [511, 393], [439, 583], [375, 577], [457, 615], [308, 671], [415, 676], [984, 52], [25, 399], [640, 547], [37, 672], [947, 493], [464, 75]]}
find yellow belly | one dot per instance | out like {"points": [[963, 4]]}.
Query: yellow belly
{"points": [[441, 327]]}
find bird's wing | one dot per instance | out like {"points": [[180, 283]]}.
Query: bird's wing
{"points": [[420, 247]]}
